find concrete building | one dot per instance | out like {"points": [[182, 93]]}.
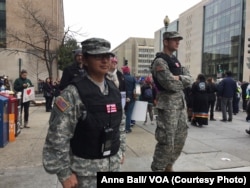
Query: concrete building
{"points": [[216, 34], [138, 52], [14, 18]]}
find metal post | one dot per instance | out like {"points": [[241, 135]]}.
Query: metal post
{"points": [[19, 65]]}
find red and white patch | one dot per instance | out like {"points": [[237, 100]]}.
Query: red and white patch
{"points": [[111, 108]]}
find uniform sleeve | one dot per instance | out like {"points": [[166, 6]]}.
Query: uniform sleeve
{"points": [[122, 138], [165, 78], [186, 78], [62, 122]]}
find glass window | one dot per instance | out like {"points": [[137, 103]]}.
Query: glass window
{"points": [[215, 24], [2, 6], [2, 15]]}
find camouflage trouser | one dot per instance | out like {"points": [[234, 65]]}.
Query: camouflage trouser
{"points": [[87, 181], [171, 134]]}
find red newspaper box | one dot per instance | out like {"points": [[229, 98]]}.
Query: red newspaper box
{"points": [[12, 112]]}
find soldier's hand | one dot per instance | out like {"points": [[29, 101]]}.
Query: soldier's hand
{"points": [[71, 182], [122, 160], [176, 77]]}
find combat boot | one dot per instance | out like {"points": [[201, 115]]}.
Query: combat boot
{"points": [[169, 168]]}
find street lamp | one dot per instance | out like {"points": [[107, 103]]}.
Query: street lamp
{"points": [[166, 22]]}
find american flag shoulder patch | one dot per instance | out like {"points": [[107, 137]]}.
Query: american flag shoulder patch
{"points": [[61, 103]]}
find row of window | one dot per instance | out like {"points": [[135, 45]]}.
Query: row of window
{"points": [[146, 50], [216, 7], [145, 60], [146, 56]]}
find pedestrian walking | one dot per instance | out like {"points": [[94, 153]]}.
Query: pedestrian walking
{"points": [[170, 79], [20, 84], [85, 134]]}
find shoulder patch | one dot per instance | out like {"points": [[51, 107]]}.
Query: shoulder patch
{"points": [[61, 103]]}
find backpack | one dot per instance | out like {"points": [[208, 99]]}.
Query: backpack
{"points": [[148, 93]]}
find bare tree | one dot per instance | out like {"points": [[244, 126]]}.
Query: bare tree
{"points": [[40, 37]]}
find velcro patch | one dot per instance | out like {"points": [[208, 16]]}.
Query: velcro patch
{"points": [[62, 104]]}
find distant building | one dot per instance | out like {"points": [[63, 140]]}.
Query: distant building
{"points": [[10, 18], [216, 38], [138, 53]]}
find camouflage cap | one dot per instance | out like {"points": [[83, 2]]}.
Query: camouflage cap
{"points": [[96, 46], [171, 35], [77, 52]]}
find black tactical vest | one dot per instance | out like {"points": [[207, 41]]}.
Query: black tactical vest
{"points": [[173, 64], [87, 140]]}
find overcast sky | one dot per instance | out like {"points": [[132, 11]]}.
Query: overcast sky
{"points": [[117, 20]]}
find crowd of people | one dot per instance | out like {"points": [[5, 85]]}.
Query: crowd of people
{"points": [[86, 133]]}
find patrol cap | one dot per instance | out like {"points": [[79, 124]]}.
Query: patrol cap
{"points": [[77, 52], [96, 46], [171, 35]]}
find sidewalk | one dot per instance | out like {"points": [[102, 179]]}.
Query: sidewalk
{"points": [[216, 147]]}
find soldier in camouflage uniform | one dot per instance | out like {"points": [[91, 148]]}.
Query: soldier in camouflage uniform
{"points": [[170, 79], [76, 146]]}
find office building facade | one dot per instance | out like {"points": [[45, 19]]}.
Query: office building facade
{"points": [[138, 53], [215, 40], [11, 19]]}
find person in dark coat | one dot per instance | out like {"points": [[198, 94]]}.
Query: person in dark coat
{"points": [[189, 102], [227, 89], [20, 84], [243, 96], [200, 101], [74, 70], [212, 91], [48, 93], [148, 94], [130, 82]]}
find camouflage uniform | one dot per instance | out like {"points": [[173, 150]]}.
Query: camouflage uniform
{"points": [[57, 155], [171, 130], [57, 158]]}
